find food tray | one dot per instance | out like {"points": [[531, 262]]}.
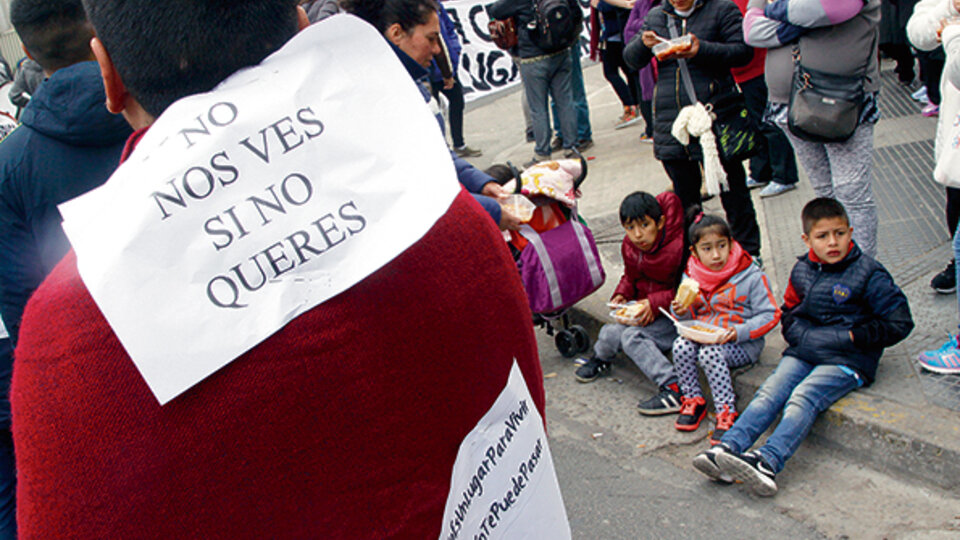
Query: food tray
{"points": [[623, 320], [520, 206], [672, 46], [711, 335]]}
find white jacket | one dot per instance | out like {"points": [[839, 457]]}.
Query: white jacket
{"points": [[922, 33]]}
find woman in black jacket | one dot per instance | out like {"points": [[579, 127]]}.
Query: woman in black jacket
{"points": [[716, 30]]}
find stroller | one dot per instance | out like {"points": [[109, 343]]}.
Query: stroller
{"points": [[555, 251]]}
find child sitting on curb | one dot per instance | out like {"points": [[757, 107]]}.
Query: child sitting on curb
{"points": [[734, 296], [840, 310], [652, 258]]}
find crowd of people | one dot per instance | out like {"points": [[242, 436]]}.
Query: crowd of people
{"points": [[87, 448]]}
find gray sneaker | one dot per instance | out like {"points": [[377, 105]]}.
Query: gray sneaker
{"points": [[773, 189], [537, 158]]}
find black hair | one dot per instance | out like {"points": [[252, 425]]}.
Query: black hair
{"points": [[55, 32], [501, 173], [164, 50], [639, 204], [383, 14], [822, 208], [700, 224]]}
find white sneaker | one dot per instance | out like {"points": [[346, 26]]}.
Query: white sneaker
{"points": [[773, 189]]}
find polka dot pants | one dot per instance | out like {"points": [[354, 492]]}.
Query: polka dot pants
{"points": [[716, 361]]}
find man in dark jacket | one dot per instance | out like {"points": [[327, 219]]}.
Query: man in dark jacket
{"points": [[543, 73], [840, 311], [68, 144], [715, 27]]}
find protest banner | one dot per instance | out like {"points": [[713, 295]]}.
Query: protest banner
{"points": [[504, 471], [246, 206], [484, 68]]}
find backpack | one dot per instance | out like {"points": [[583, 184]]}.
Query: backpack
{"points": [[558, 24]]}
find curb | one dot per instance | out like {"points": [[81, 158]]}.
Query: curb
{"points": [[893, 438]]}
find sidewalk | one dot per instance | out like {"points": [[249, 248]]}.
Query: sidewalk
{"points": [[908, 422]]}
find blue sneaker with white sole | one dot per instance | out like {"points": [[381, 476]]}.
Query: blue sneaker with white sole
{"points": [[946, 359]]}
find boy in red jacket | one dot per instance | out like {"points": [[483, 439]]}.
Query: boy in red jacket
{"points": [[653, 257]]}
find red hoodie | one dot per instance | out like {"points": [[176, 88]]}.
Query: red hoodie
{"points": [[755, 68], [343, 424], [654, 274]]}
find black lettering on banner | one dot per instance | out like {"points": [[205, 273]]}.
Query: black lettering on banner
{"points": [[458, 26], [500, 76], [479, 28]]}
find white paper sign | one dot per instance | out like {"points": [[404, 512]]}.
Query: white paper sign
{"points": [[249, 205], [504, 484]]}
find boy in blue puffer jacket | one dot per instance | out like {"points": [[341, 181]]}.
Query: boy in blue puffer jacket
{"points": [[840, 310]]}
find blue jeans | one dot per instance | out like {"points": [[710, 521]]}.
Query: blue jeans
{"points": [[544, 77], [803, 391], [584, 133]]}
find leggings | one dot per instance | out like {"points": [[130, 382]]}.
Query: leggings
{"points": [[716, 361], [613, 64]]}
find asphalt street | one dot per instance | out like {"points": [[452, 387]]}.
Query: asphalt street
{"points": [[625, 476]]}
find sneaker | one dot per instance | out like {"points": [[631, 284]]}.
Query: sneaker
{"points": [[592, 370], [706, 462], [930, 110], [584, 145], [750, 469], [946, 359], [692, 411], [920, 95], [557, 143], [646, 139], [751, 183], [629, 118], [773, 189], [666, 402], [465, 152], [537, 158], [725, 419], [946, 282]]}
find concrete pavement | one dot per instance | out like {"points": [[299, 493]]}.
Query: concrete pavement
{"points": [[907, 423]]}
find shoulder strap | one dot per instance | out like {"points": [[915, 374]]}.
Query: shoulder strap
{"points": [[684, 70]]}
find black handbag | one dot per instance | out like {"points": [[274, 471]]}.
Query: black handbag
{"points": [[824, 108], [736, 133]]}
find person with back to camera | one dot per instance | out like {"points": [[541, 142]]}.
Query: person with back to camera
{"points": [[68, 143], [318, 430], [653, 255], [412, 27], [840, 311], [838, 37], [735, 296], [717, 45], [542, 73]]}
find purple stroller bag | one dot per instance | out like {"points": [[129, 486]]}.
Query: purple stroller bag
{"points": [[559, 267]]}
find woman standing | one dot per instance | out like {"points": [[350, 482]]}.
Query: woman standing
{"points": [[717, 45]]}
